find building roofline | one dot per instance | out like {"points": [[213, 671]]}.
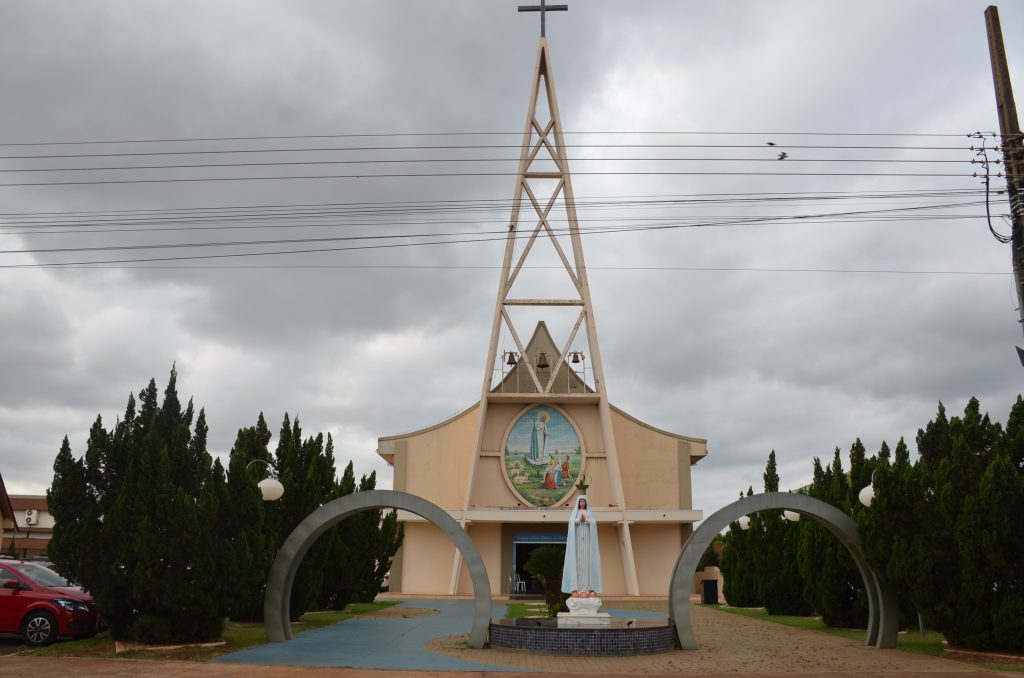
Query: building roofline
{"points": [[627, 415], [37, 502], [677, 436], [427, 429], [6, 508]]}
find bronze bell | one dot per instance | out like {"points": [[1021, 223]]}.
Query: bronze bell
{"points": [[542, 361], [511, 362], [576, 356]]}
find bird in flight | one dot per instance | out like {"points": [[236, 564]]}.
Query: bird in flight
{"points": [[783, 155]]}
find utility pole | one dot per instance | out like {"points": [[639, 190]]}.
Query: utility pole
{"points": [[1013, 157]]}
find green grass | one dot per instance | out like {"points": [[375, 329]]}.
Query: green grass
{"points": [[237, 636], [520, 610], [930, 644]]}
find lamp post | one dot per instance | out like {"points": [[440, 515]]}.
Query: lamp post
{"points": [[270, 487]]}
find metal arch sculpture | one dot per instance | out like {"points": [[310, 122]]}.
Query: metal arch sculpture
{"points": [[883, 610], [277, 600]]}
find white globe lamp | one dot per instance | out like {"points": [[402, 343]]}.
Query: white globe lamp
{"points": [[271, 489], [867, 495]]}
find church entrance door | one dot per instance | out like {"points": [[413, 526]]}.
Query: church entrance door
{"points": [[523, 546]]}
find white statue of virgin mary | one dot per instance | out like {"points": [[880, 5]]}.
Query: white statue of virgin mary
{"points": [[582, 569]]}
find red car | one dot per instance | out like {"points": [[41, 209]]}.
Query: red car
{"points": [[39, 605]]}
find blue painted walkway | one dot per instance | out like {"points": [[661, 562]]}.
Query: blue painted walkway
{"points": [[377, 643], [387, 643]]}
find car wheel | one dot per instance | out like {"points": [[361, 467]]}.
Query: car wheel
{"points": [[39, 628]]}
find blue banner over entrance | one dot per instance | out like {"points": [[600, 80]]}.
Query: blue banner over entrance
{"points": [[525, 538]]}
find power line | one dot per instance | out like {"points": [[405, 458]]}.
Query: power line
{"points": [[516, 134], [580, 201], [499, 235], [457, 267], [467, 147], [449, 222], [441, 211], [424, 175], [414, 161]]}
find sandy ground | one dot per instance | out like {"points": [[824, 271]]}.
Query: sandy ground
{"points": [[747, 648], [728, 643], [398, 613]]}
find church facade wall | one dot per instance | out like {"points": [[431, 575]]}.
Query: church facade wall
{"points": [[435, 463], [655, 467], [426, 553], [487, 537], [660, 546]]}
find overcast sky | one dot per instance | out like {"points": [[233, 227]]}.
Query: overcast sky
{"points": [[377, 342]]}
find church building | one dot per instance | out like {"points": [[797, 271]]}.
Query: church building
{"points": [[506, 468]]}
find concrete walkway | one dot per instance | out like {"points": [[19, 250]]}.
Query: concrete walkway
{"points": [[394, 643]]}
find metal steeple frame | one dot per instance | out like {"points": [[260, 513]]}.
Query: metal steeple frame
{"points": [[544, 163]]}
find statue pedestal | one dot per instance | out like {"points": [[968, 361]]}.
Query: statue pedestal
{"points": [[583, 612], [584, 619]]}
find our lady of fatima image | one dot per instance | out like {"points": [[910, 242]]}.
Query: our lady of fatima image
{"points": [[581, 572], [539, 441]]}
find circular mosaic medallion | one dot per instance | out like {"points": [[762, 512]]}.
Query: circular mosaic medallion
{"points": [[543, 456]]}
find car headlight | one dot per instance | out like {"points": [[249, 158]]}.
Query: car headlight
{"points": [[72, 606]]}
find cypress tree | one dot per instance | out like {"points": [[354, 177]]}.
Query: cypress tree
{"points": [[814, 544], [339, 583], [780, 586], [390, 535], [146, 514], [952, 477], [887, 529], [860, 474], [1014, 444], [169, 543], [106, 463], [171, 561], [990, 609], [940, 529], [361, 548], [771, 474], [834, 586], [371, 555], [249, 547], [68, 502], [302, 469], [737, 569]]}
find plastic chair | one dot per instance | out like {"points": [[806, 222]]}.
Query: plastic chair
{"points": [[517, 583]]}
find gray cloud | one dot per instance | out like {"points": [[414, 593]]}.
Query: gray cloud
{"points": [[798, 362]]}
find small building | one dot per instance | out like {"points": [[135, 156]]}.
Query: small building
{"points": [[35, 524], [27, 524]]}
